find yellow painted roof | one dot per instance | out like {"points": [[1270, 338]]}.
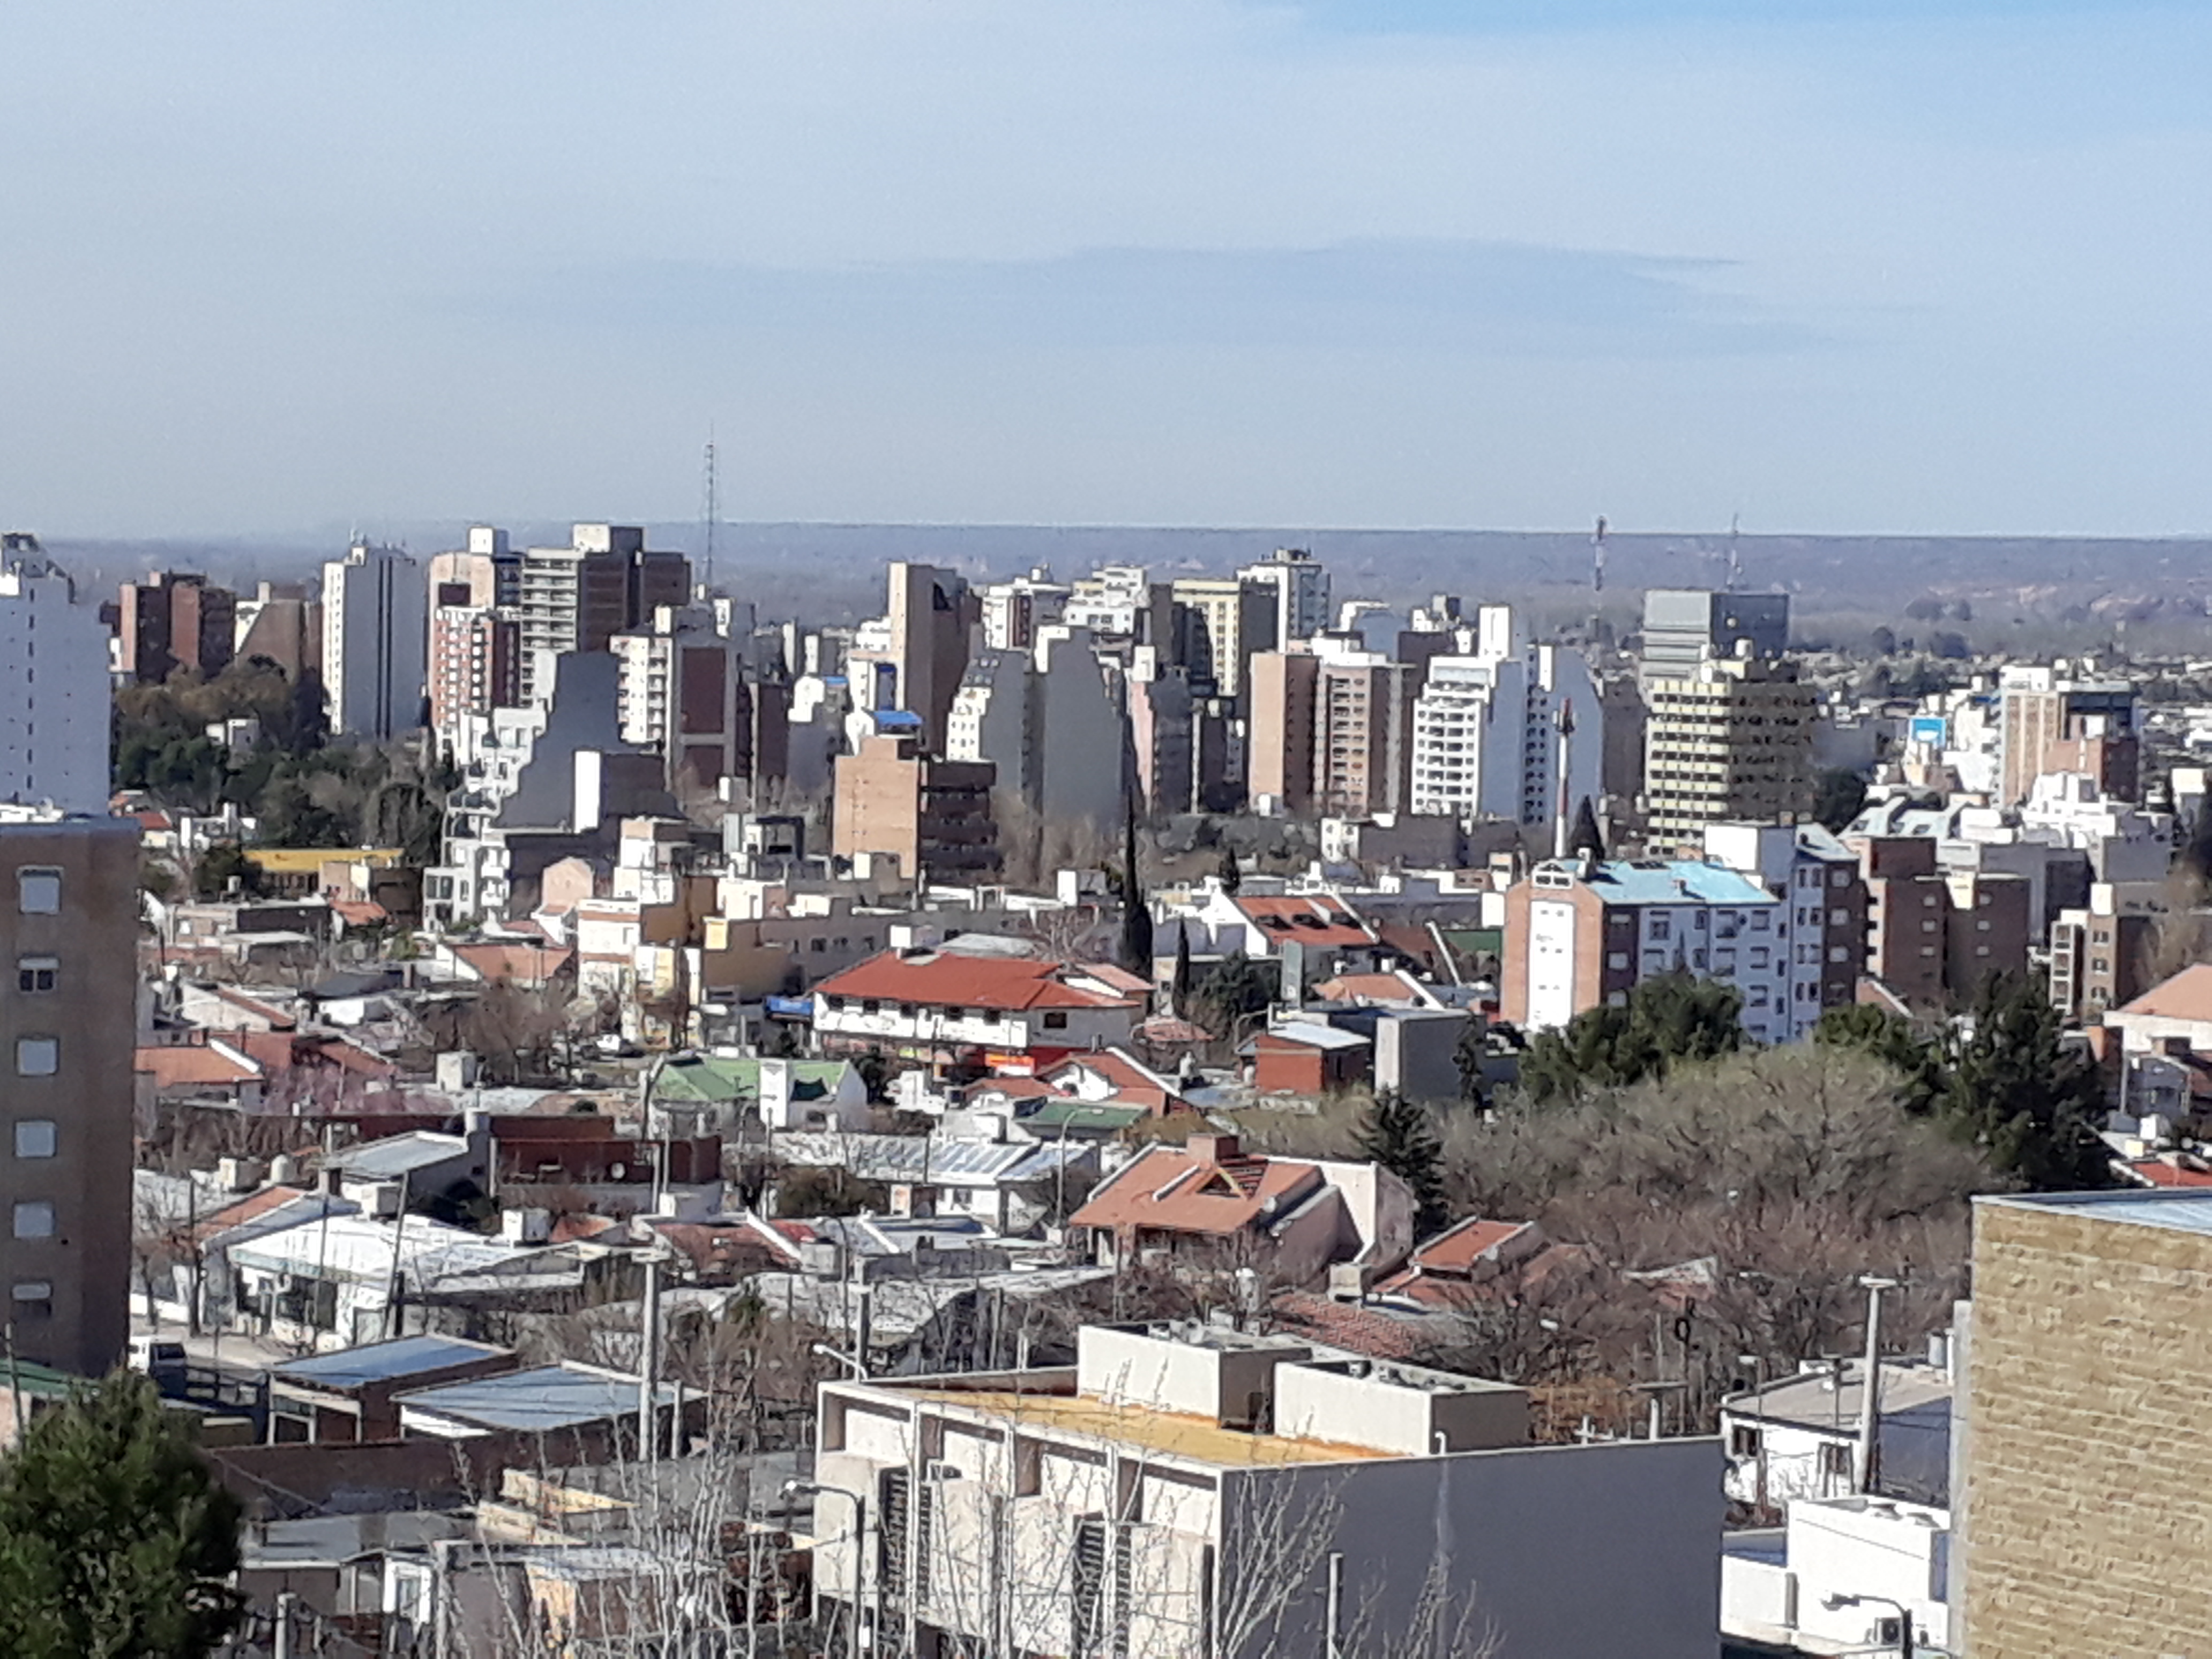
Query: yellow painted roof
{"points": [[1199, 1439], [304, 860]]}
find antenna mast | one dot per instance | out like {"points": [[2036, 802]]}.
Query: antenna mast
{"points": [[712, 513], [1597, 556], [1735, 552]]}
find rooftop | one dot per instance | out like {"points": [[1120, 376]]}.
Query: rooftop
{"points": [[956, 979], [383, 1362], [1665, 881], [1173, 1434], [2183, 1210], [2187, 995], [563, 1396]]}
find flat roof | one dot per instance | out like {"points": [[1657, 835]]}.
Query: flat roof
{"points": [[2184, 1210], [1175, 1434], [562, 1396], [383, 1362]]}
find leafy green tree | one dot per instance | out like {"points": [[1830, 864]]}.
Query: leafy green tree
{"points": [[1839, 795], [219, 866], [114, 1538], [2016, 1091], [1688, 1017], [1398, 1134], [1917, 1057]]}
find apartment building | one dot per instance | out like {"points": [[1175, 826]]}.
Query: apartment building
{"points": [[476, 656], [1682, 627], [1297, 586], [933, 816], [1221, 621], [281, 623], [1121, 602], [2051, 721], [69, 1026], [1817, 878], [1729, 739], [174, 619], [1933, 933], [1186, 1493], [686, 690], [914, 656], [1280, 751], [2082, 1520], [1489, 728], [2100, 953], [578, 598], [489, 568], [375, 639], [55, 735], [1050, 723], [1013, 612], [1582, 933]]}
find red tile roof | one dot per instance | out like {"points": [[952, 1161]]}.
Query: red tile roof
{"points": [[2187, 995], [947, 979], [1361, 1330], [1391, 990], [523, 964], [246, 1209], [194, 1065], [2184, 1171], [1209, 1186], [1309, 919], [277, 1051]]}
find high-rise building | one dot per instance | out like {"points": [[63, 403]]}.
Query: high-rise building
{"points": [[1488, 729], [476, 656], [1013, 612], [1299, 589], [1048, 723], [174, 619], [1279, 737], [1363, 735], [933, 816], [281, 624], [375, 641], [1731, 739], [1222, 621], [489, 569], [686, 691], [69, 1029], [2049, 722], [1683, 626], [914, 656], [1822, 930], [54, 738], [578, 598]]}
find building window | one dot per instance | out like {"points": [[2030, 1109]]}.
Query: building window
{"points": [[34, 1218], [34, 1136], [1055, 1019], [36, 974], [1743, 1441], [37, 1056], [817, 945], [1617, 959], [39, 892], [1835, 1462]]}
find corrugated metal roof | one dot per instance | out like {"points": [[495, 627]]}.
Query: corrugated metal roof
{"points": [[1675, 881], [562, 1397], [383, 1362], [2185, 1210]]}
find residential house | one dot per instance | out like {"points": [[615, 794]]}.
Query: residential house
{"points": [[947, 1008]]}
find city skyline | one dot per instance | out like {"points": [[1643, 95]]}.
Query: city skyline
{"points": [[1871, 269]]}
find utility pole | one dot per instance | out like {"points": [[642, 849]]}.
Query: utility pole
{"points": [[1867, 1466]]}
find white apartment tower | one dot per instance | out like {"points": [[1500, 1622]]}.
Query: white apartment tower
{"points": [[54, 734], [375, 638], [1488, 728]]}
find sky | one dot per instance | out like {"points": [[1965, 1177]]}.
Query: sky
{"points": [[1840, 266]]}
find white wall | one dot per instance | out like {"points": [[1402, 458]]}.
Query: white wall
{"points": [[54, 732]]}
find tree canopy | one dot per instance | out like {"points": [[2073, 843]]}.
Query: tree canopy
{"points": [[1400, 1135], [114, 1538], [1666, 1019]]}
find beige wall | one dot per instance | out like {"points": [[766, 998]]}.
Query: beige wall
{"points": [[2087, 1517]]}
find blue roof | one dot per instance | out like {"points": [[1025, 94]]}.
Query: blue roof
{"points": [[383, 1362], [896, 718], [1675, 881], [563, 1396]]}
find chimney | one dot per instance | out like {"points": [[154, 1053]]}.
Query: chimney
{"points": [[1213, 1148]]}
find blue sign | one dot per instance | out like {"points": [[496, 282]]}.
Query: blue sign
{"points": [[1931, 729]]}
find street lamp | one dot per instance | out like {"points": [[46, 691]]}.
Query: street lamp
{"points": [[859, 1503], [1905, 1647]]}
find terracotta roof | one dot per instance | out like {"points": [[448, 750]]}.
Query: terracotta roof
{"points": [[194, 1064], [2184, 1171], [1165, 1029], [1459, 1247], [1121, 979], [277, 1051], [1361, 1330], [1394, 990], [360, 913], [526, 965], [2187, 995], [950, 979], [248, 1208], [1310, 920], [1132, 1082], [1209, 1186]]}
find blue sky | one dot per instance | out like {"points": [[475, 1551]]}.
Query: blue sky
{"points": [[1843, 265]]}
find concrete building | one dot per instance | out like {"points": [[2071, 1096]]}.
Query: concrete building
{"points": [[1934, 933], [1279, 748], [1729, 739], [933, 816], [1799, 1437], [69, 1026], [1581, 933], [174, 619], [2100, 953], [578, 598], [1183, 1493], [375, 637], [2051, 721], [282, 624], [487, 568], [55, 735], [476, 657], [1363, 735], [1298, 585], [1489, 725], [2083, 1520], [1121, 602], [1817, 877], [1840, 1575], [1050, 723], [914, 656], [1221, 621], [687, 691], [1683, 627], [1013, 612]]}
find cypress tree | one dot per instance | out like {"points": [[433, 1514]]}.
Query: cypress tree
{"points": [[1179, 987], [1397, 1134], [1136, 950]]}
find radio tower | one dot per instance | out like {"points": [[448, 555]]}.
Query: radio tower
{"points": [[1597, 556], [1735, 553], [711, 512]]}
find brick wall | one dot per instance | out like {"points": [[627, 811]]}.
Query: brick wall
{"points": [[2087, 1504]]}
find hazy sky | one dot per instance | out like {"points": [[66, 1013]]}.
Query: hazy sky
{"points": [[1880, 266]]}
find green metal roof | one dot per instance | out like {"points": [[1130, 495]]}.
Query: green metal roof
{"points": [[710, 1078], [1081, 1114]]}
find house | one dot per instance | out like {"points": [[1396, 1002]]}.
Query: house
{"points": [[2176, 1009], [330, 1283], [1211, 1201], [727, 1094], [1299, 1057], [1210, 1493], [352, 1394], [1443, 1271], [947, 1008], [1011, 1186], [1838, 1575], [1798, 1437]]}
